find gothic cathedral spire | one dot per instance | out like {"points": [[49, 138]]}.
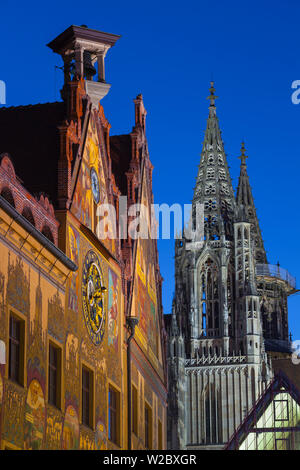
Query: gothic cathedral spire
{"points": [[245, 202], [217, 359], [213, 184]]}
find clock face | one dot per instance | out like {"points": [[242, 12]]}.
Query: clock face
{"points": [[93, 297], [95, 185]]}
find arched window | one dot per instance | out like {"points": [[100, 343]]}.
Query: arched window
{"points": [[7, 195], [46, 231], [27, 213], [230, 297], [212, 419], [209, 298]]}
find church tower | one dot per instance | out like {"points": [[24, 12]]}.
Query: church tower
{"points": [[217, 359]]}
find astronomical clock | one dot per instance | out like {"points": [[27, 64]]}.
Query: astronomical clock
{"points": [[93, 297]]}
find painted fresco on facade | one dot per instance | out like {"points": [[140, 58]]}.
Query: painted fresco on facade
{"points": [[72, 355], [56, 316], [1, 398], [145, 295], [91, 187], [113, 298], [18, 285], [100, 436], [82, 199], [74, 249], [34, 417], [53, 429], [1, 392], [87, 440], [13, 422], [70, 429], [142, 305], [153, 333]]}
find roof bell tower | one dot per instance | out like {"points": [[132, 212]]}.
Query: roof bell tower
{"points": [[83, 51]]}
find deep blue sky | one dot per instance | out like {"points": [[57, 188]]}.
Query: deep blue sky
{"points": [[169, 51]]}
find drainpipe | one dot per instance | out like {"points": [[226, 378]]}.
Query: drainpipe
{"points": [[131, 323]]}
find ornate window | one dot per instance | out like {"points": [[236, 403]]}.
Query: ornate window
{"points": [[210, 205], [210, 189], [212, 414], [224, 189], [46, 231], [7, 195], [16, 349], [209, 298], [54, 375], [27, 213], [220, 160], [113, 415], [210, 160], [230, 296], [222, 174]]}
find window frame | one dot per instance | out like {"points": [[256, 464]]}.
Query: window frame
{"points": [[134, 409], [20, 377], [159, 434], [87, 419], [58, 386], [281, 400], [114, 424], [148, 426]]}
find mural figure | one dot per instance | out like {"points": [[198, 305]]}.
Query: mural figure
{"points": [[100, 436], [34, 417], [74, 244], [71, 429], [113, 338]]}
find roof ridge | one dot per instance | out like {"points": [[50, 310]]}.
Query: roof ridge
{"points": [[22, 106]]}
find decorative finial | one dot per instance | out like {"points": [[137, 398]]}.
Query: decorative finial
{"points": [[243, 157], [212, 97]]}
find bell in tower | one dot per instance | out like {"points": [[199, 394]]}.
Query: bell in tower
{"points": [[81, 48], [88, 69]]}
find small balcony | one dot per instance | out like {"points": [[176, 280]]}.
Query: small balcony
{"points": [[274, 270], [209, 333]]}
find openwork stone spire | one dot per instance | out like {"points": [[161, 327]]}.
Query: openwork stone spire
{"points": [[230, 311], [245, 202], [213, 185]]}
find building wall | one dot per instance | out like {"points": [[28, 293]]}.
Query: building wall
{"points": [[89, 331], [36, 297], [104, 353]]}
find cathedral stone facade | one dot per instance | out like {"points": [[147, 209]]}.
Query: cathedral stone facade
{"points": [[229, 316]]}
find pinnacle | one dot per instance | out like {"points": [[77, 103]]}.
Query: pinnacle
{"points": [[212, 97], [244, 198], [243, 157]]}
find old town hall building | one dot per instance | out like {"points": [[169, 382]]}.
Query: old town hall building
{"points": [[82, 338], [229, 316]]}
